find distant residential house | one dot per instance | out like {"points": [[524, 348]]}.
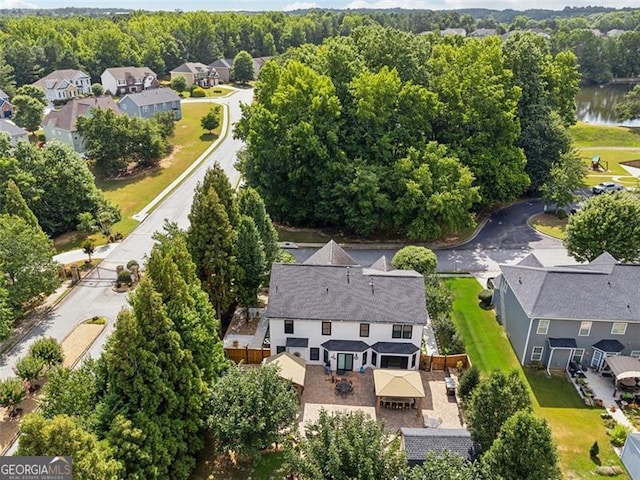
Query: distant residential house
{"points": [[331, 311], [65, 84], [123, 80], [16, 133], [454, 31], [196, 73], [6, 109], [581, 313], [61, 124], [417, 442], [146, 104], [483, 32], [224, 67], [616, 32]]}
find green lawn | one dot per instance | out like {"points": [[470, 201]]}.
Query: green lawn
{"points": [[217, 91], [212, 467], [575, 427], [549, 224], [132, 194], [587, 135]]}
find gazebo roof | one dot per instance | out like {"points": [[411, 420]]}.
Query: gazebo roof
{"points": [[398, 383], [291, 367], [624, 367]]}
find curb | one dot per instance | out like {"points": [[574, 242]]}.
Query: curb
{"points": [[538, 231]]}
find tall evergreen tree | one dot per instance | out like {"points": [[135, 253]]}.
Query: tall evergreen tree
{"points": [[251, 260], [250, 203], [174, 276], [14, 204], [211, 242], [217, 178], [154, 387]]}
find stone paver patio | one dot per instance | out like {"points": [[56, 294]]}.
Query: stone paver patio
{"points": [[319, 391]]}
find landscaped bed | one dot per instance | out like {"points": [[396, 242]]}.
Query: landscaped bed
{"points": [[549, 224], [574, 426]]}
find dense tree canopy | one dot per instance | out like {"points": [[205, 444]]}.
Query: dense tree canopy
{"points": [[243, 67]]}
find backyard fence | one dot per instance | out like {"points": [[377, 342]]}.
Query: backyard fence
{"points": [[442, 362], [247, 355]]}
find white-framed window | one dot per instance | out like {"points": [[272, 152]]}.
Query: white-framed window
{"points": [[585, 329], [619, 328], [536, 354], [578, 355], [543, 327], [635, 354]]}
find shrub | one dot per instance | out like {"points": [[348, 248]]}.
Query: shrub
{"points": [[449, 341], [627, 396], [29, 368], [124, 277], [561, 214], [48, 350], [618, 435], [485, 296], [594, 450], [217, 90], [132, 263], [198, 92], [12, 392], [468, 381]]}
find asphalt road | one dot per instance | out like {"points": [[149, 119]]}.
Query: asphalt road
{"points": [[93, 296]]}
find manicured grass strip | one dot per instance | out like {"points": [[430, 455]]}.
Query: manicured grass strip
{"points": [[587, 135], [574, 426], [479, 328], [211, 92], [549, 224]]}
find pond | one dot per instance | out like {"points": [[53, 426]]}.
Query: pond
{"points": [[596, 104]]}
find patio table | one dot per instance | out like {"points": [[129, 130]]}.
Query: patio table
{"points": [[343, 387], [628, 382]]}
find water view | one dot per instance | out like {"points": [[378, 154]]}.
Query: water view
{"points": [[597, 104]]}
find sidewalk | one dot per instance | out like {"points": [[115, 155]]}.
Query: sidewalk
{"points": [[76, 255]]}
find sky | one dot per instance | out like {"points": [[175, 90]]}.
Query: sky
{"points": [[254, 5]]}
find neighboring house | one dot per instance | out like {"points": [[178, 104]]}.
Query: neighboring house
{"points": [[6, 109], [146, 104], [123, 80], [483, 32], [416, 442], [196, 73], [583, 313], [331, 311], [224, 67], [65, 84], [16, 133], [631, 455], [616, 32], [454, 31], [61, 124]]}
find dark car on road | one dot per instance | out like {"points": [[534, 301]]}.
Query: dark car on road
{"points": [[606, 187]]}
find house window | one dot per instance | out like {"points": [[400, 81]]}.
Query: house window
{"points": [[314, 353], [536, 354], [578, 355], [374, 359], [364, 329], [364, 358], [280, 349], [543, 327], [326, 328], [413, 360], [619, 328], [635, 354], [585, 329], [288, 326], [402, 331]]}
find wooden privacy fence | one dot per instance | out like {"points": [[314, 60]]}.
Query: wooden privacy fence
{"points": [[442, 362], [247, 355]]}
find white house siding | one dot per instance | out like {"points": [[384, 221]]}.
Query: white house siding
{"points": [[340, 330], [109, 83]]}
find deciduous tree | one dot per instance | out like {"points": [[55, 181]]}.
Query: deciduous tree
{"points": [[243, 67], [29, 112], [629, 109], [29, 369], [179, 83], [48, 350], [608, 222], [211, 120], [565, 178], [97, 89], [12, 392], [444, 465], [33, 92], [420, 259]]}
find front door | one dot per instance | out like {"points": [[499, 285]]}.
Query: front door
{"points": [[596, 360], [345, 361]]}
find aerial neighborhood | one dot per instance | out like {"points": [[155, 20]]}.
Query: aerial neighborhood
{"points": [[321, 244]]}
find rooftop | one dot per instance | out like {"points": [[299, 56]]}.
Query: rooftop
{"points": [[152, 97], [66, 117]]}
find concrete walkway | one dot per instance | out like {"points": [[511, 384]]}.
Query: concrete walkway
{"points": [[603, 389]]}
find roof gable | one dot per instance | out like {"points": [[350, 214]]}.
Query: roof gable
{"points": [[66, 117], [330, 254]]}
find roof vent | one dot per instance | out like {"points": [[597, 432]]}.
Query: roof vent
{"points": [[609, 283], [371, 285], [348, 273], [520, 279]]}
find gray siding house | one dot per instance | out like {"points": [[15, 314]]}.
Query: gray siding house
{"points": [[16, 133], [146, 104], [581, 313]]}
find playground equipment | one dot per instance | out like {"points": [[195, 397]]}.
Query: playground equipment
{"points": [[597, 164]]}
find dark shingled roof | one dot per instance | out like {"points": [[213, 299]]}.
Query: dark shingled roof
{"points": [[563, 343], [402, 348], [152, 96], [330, 254], [297, 342], [418, 441], [383, 264], [338, 293], [11, 128], [601, 290], [345, 346], [66, 117], [609, 345]]}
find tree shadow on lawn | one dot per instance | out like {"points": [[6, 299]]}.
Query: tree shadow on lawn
{"points": [[208, 137], [555, 391]]}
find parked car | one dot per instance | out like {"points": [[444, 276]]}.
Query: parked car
{"points": [[606, 187]]}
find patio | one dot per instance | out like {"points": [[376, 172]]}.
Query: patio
{"points": [[319, 390]]}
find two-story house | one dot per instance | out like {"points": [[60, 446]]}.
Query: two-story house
{"points": [[331, 311], [146, 104], [224, 67], [196, 73], [123, 80], [61, 124], [583, 313], [66, 84]]}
